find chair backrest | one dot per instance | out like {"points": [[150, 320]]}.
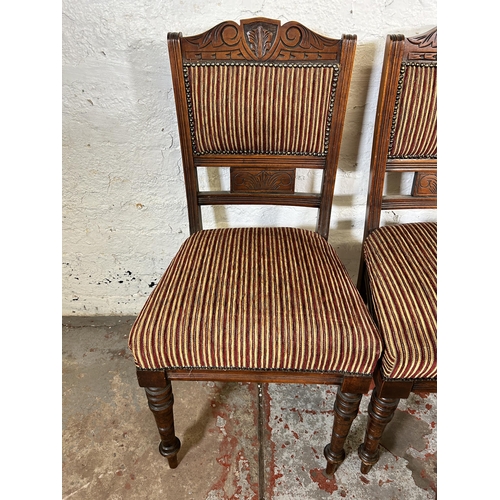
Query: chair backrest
{"points": [[405, 134], [262, 99]]}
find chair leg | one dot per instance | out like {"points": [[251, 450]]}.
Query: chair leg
{"points": [[161, 401], [345, 409], [380, 413]]}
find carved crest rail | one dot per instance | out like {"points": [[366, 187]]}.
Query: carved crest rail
{"points": [[260, 39]]}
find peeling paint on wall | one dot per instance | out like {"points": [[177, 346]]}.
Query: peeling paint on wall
{"points": [[124, 207]]}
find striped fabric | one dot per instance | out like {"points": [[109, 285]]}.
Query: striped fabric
{"points": [[414, 132], [274, 108], [401, 262], [257, 299]]}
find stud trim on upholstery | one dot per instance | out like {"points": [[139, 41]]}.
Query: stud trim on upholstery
{"points": [[401, 263], [275, 108], [414, 127], [256, 299]]}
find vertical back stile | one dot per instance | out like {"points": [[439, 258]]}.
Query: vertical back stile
{"points": [[335, 133], [190, 175]]}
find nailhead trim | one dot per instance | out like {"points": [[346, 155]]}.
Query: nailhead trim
{"points": [[402, 73], [276, 65]]}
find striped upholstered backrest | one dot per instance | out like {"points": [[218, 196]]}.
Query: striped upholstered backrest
{"points": [[262, 99], [405, 134], [414, 128], [262, 108]]}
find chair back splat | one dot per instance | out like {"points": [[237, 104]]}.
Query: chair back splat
{"points": [[262, 99], [258, 304]]}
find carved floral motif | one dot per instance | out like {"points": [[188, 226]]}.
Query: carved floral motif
{"points": [[425, 46], [260, 40], [264, 180], [424, 184], [428, 39]]}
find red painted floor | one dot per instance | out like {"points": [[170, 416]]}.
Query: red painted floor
{"points": [[235, 445]]}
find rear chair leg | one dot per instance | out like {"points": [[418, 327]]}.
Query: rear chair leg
{"points": [[380, 413], [345, 410], [161, 401]]}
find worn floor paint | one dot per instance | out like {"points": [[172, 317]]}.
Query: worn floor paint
{"points": [[110, 441]]}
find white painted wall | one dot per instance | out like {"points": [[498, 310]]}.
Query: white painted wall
{"points": [[124, 210]]}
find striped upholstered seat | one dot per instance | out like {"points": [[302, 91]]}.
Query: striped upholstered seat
{"points": [[401, 263], [258, 299]]}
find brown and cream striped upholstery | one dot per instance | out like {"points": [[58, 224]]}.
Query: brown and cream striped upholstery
{"points": [[414, 127], [257, 299], [401, 263], [274, 108]]}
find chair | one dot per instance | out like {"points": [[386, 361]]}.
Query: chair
{"points": [[258, 304], [398, 271]]}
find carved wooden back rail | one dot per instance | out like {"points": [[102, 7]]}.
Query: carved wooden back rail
{"points": [[261, 98], [405, 135]]}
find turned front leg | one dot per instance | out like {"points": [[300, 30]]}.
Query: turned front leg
{"points": [[380, 413], [345, 409], [161, 401]]}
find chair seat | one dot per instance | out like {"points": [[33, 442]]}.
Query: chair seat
{"points": [[401, 263], [256, 299]]}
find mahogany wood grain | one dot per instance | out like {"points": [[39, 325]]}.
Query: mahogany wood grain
{"points": [[347, 383], [260, 161], [226, 198], [415, 165], [161, 401], [408, 202], [380, 413], [257, 180], [190, 175], [346, 408]]}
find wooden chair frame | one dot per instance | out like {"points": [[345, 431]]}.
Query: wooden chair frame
{"points": [[291, 43], [399, 53]]}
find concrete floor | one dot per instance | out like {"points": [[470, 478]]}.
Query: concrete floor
{"points": [[110, 441]]}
